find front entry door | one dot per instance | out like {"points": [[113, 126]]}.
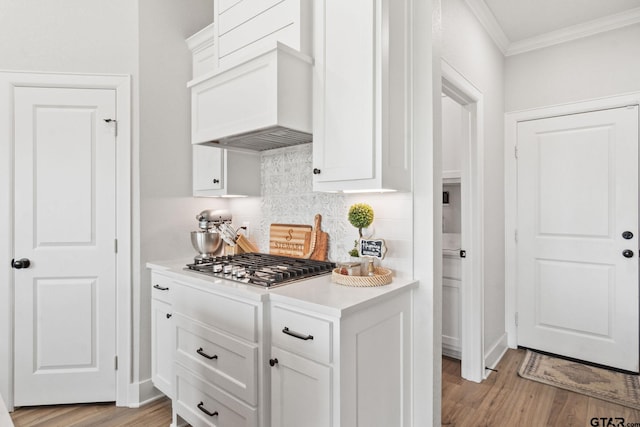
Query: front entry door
{"points": [[64, 224], [578, 236]]}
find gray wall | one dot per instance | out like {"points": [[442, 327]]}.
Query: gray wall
{"points": [[144, 39], [593, 67], [165, 210], [469, 49]]}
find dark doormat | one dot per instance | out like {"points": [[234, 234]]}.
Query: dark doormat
{"points": [[616, 387]]}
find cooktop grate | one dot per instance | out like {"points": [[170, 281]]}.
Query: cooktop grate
{"points": [[263, 270]]}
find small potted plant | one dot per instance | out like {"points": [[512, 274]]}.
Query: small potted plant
{"points": [[360, 216]]}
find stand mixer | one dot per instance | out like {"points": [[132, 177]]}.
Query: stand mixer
{"points": [[215, 230]]}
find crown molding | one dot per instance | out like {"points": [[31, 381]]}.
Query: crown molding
{"points": [[601, 25], [488, 21], [574, 32]]}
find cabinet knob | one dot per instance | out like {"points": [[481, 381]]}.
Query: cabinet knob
{"points": [[216, 181], [273, 362], [316, 171], [169, 315], [627, 253]]}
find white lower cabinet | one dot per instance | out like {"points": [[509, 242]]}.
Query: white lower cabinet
{"points": [[215, 358], [162, 332], [288, 357], [202, 404], [352, 370], [451, 313], [300, 391]]}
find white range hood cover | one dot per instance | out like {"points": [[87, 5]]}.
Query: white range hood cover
{"points": [[258, 105]]}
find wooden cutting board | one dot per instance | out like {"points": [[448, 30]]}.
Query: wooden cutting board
{"points": [[292, 240], [322, 241]]}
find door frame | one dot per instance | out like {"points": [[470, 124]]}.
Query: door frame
{"points": [[458, 88], [122, 85], [511, 188]]}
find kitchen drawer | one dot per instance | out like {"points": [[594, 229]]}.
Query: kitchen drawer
{"points": [[195, 396], [237, 317], [161, 287], [220, 359], [301, 334], [452, 268]]}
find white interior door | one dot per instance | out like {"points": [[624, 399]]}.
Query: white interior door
{"points": [[64, 223], [577, 287]]}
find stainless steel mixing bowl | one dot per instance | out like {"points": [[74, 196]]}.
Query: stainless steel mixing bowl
{"points": [[206, 243]]}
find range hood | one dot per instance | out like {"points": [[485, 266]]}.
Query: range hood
{"points": [[261, 104]]}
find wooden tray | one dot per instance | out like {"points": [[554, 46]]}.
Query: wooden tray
{"points": [[381, 277]]}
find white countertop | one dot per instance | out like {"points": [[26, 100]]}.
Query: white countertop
{"points": [[318, 294]]}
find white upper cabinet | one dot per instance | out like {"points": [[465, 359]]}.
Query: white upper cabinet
{"points": [[452, 136], [248, 28], [251, 86], [223, 173], [360, 96]]}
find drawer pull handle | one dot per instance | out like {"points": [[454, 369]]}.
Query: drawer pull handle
{"points": [[273, 362], [203, 409], [201, 352], [297, 334], [161, 288]]}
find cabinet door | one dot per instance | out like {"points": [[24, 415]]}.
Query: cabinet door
{"points": [[344, 122], [162, 347], [300, 391], [208, 169], [360, 96]]}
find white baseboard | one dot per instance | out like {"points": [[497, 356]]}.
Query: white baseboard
{"points": [[5, 418], [495, 353], [454, 353], [142, 393]]}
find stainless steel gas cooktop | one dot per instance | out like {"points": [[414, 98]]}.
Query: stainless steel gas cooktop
{"points": [[263, 270]]}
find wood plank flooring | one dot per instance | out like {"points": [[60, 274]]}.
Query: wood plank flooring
{"points": [[505, 399], [155, 414]]}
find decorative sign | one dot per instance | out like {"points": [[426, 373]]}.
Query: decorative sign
{"points": [[372, 248]]}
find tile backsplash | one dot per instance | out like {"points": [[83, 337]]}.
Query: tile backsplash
{"points": [[288, 198]]}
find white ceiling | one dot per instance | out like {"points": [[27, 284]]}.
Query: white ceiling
{"points": [[521, 25]]}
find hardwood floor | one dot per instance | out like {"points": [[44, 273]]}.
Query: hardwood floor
{"points": [[155, 414], [505, 399]]}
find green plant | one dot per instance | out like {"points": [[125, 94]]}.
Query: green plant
{"points": [[360, 216]]}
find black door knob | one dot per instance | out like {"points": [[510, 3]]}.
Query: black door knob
{"points": [[216, 181], [273, 362], [627, 253], [316, 171], [20, 263], [627, 235]]}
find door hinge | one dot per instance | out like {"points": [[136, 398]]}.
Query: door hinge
{"points": [[115, 125], [516, 318], [115, 245], [115, 362], [515, 151]]}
